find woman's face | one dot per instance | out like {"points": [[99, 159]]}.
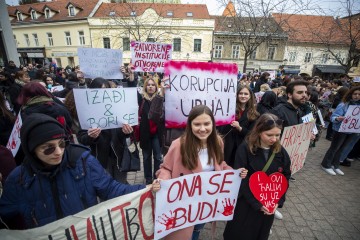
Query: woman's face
{"points": [[25, 78], [49, 81], [356, 95], [269, 137], [55, 157], [244, 96], [151, 87], [202, 127]]}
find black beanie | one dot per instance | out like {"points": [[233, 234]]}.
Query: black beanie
{"points": [[42, 129]]}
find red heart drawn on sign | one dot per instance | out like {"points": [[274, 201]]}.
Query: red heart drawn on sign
{"points": [[268, 189]]}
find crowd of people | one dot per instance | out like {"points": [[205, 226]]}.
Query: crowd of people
{"points": [[54, 148]]}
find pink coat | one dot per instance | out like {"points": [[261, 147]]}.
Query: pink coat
{"points": [[173, 168]]}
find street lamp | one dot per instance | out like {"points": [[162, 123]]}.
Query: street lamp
{"points": [[187, 56]]}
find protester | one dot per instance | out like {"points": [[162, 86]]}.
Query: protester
{"points": [[267, 103], [342, 143], [7, 120], [49, 82], [251, 219], [56, 179], [151, 131], [34, 98], [21, 78], [11, 68], [245, 117], [199, 149], [264, 78], [107, 144]]}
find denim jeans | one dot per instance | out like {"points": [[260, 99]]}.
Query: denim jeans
{"points": [[340, 147], [147, 158], [197, 229]]}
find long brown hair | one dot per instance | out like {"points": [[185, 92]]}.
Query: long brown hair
{"points": [[266, 122], [70, 105], [252, 113], [348, 95], [191, 145], [4, 111], [145, 93]]}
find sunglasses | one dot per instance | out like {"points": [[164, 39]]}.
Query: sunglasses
{"points": [[50, 150], [271, 122]]}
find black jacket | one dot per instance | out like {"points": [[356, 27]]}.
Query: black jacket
{"points": [[259, 82], [245, 159], [290, 115], [233, 138]]}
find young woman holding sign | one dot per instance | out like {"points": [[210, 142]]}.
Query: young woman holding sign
{"points": [[246, 115], [252, 220], [199, 149], [342, 143]]}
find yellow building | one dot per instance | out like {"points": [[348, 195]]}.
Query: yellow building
{"points": [[52, 30], [187, 26]]}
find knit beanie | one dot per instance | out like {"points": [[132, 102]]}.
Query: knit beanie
{"points": [[40, 128]]}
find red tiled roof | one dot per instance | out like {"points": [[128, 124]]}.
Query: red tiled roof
{"points": [[311, 29], [229, 10], [59, 6], [199, 11]]}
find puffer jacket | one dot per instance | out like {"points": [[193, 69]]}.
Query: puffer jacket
{"points": [[42, 197]]}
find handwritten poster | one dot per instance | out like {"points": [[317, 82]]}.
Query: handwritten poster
{"points": [[195, 198], [196, 83], [308, 118], [296, 139], [106, 108], [126, 217], [100, 62], [258, 96], [14, 141], [351, 122], [149, 56]]}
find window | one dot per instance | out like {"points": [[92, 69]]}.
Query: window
{"points": [[177, 45], [253, 54], [271, 53], [189, 14], [50, 39], [126, 44], [112, 13], [197, 45], [106, 41], [33, 15], [71, 61], [47, 13], [19, 16], [292, 56], [27, 40], [71, 11], [133, 13], [67, 38], [36, 40], [324, 57], [150, 39], [218, 51], [235, 51], [308, 56], [81, 38], [169, 13]]}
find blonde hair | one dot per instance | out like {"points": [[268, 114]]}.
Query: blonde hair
{"points": [[264, 87], [145, 93]]}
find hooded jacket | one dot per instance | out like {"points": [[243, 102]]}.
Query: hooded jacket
{"points": [[42, 195], [289, 114]]}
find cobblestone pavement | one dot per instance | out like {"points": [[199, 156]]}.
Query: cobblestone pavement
{"points": [[318, 206]]}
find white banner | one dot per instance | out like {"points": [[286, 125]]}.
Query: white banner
{"points": [[351, 122], [308, 118], [126, 217], [296, 139], [100, 62], [194, 199], [106, 108], [196, 83], [149, 56], [14, 141]]}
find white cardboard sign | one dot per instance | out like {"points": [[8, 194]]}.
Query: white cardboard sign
{"points": [[351, 122]]}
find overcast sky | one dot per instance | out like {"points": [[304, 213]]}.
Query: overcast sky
{"points": [[331, 7]]}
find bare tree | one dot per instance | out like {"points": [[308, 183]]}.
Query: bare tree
{"points": [[252, 23], [130, 20]]}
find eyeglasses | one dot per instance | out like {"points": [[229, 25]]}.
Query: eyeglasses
{"points": [[271, 122], [50, 150]]}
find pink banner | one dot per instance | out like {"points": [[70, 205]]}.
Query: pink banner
{"points": [[196, 83]]}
